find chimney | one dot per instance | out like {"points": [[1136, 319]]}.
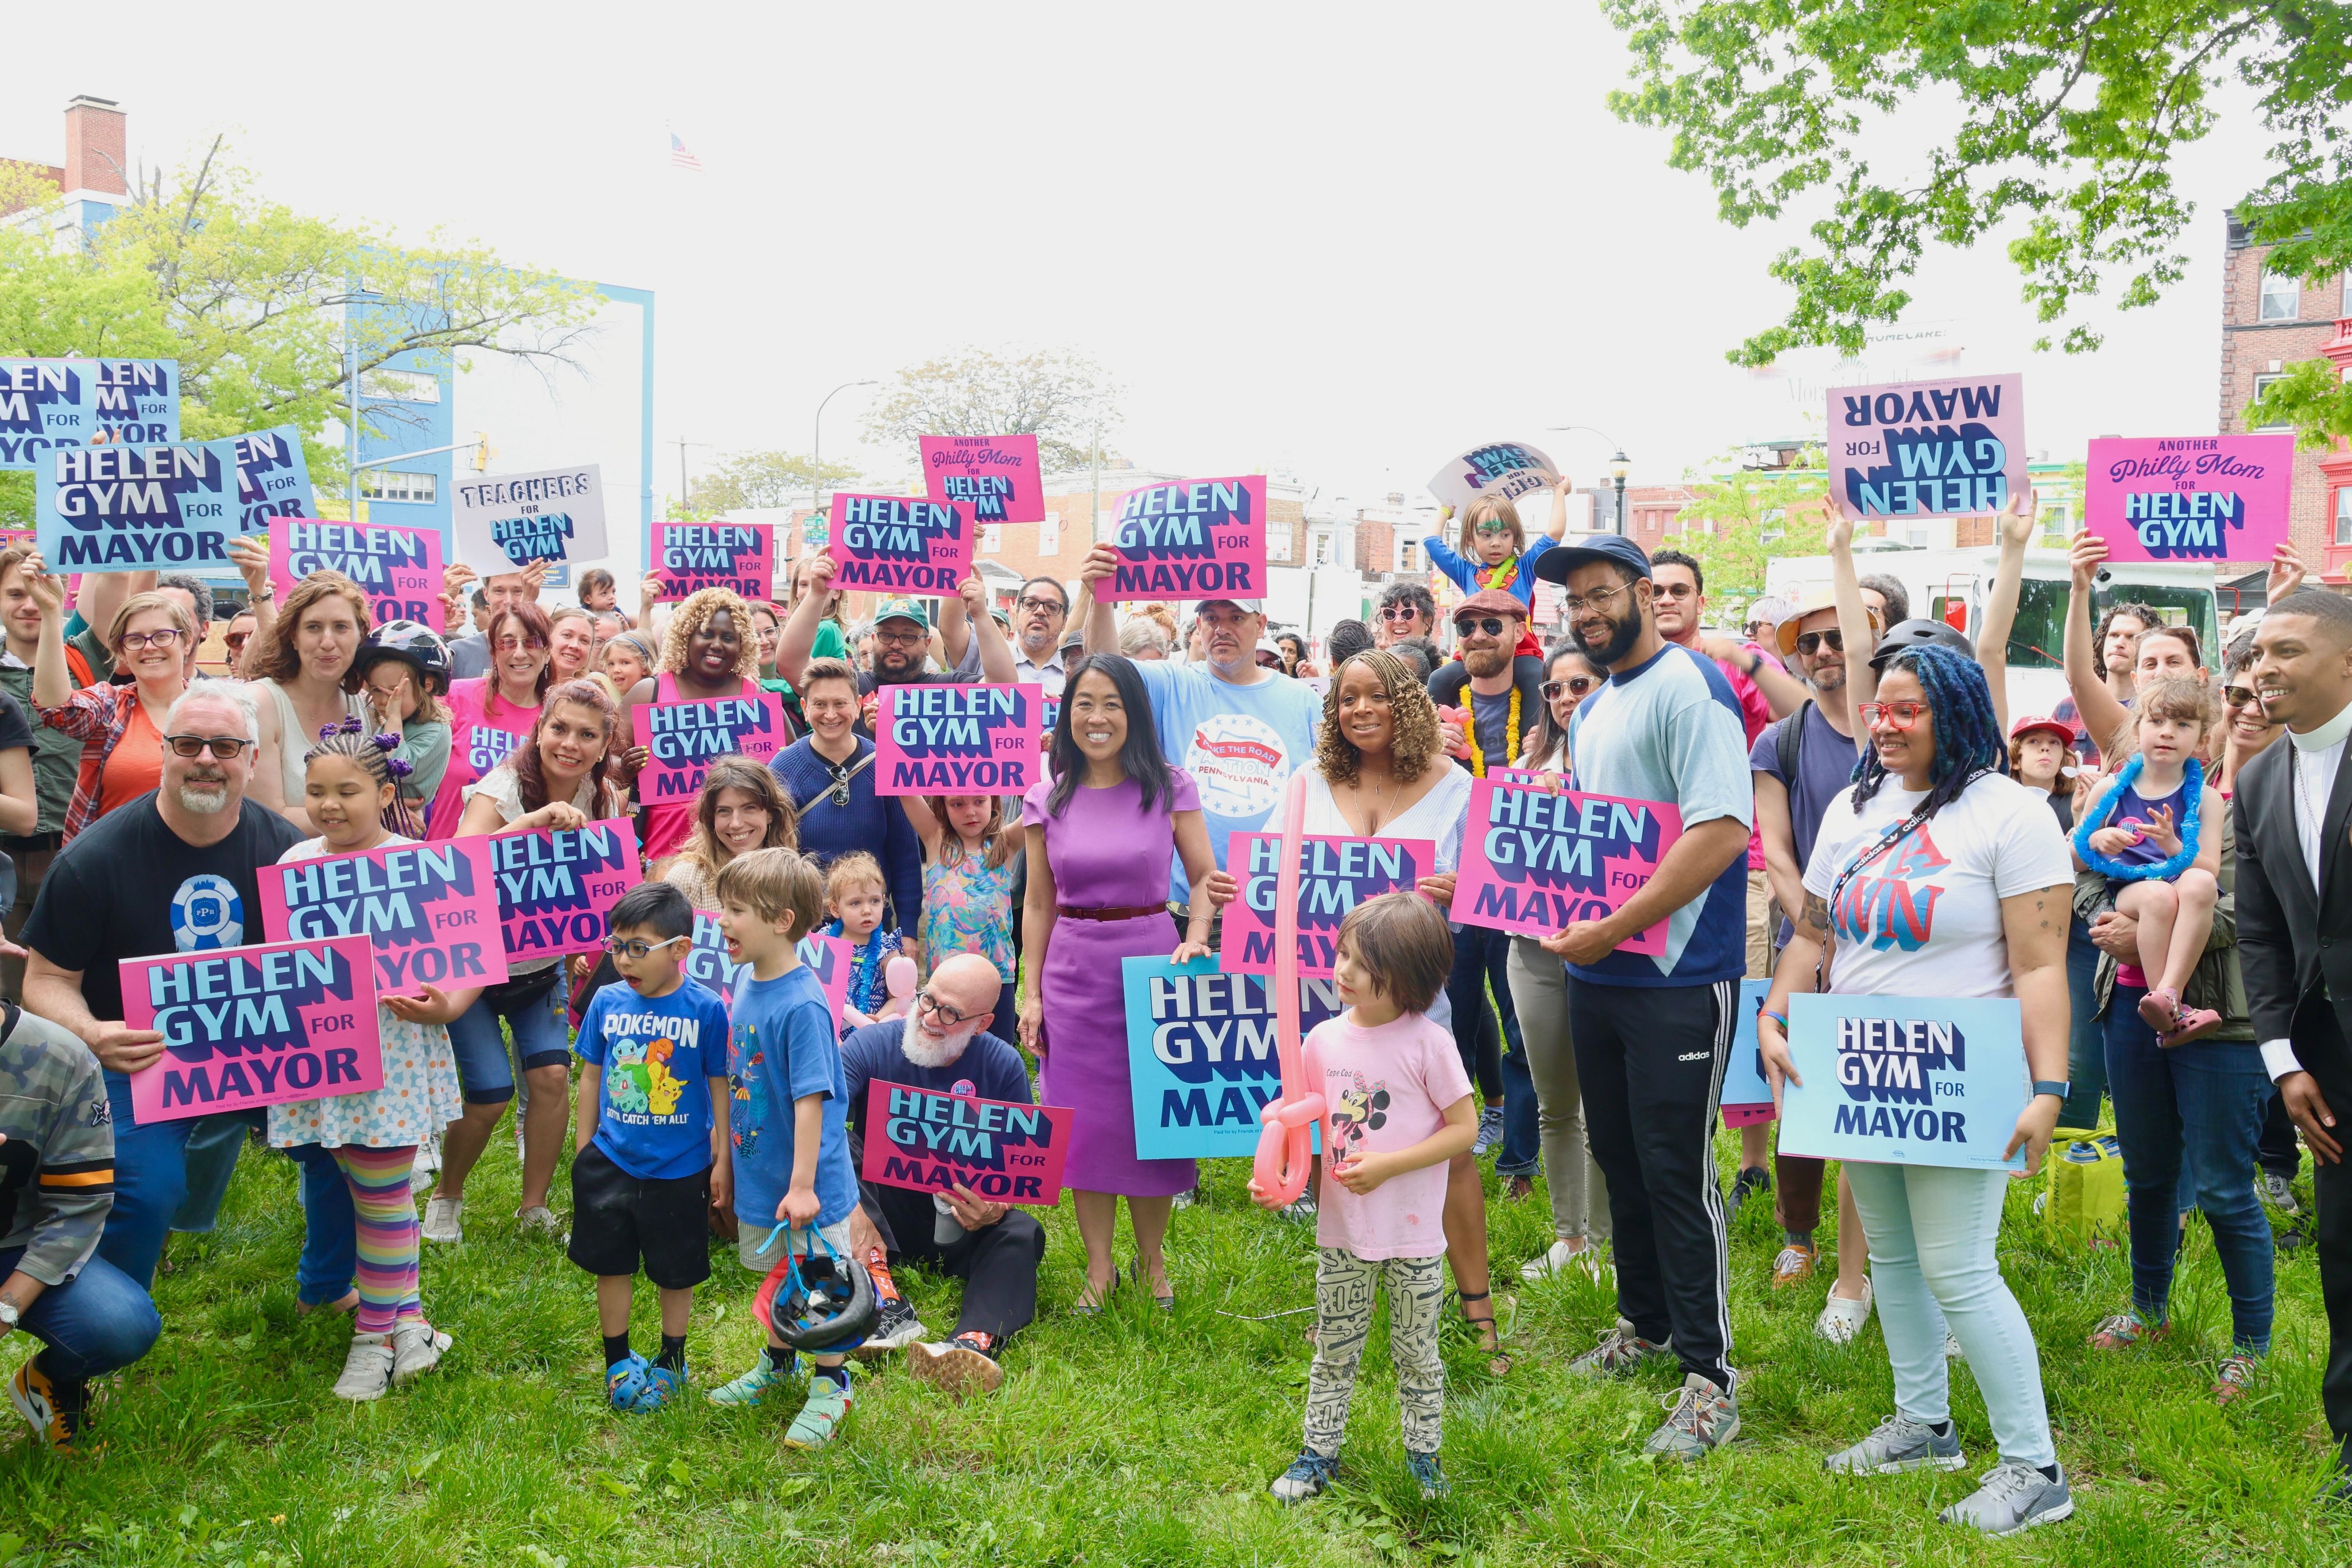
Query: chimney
{"points": [[95, 154]]}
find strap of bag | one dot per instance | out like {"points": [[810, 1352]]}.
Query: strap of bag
{"points": [[1790, 743]]}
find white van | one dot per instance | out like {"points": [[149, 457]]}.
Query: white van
{"points": [[1950, 585]]}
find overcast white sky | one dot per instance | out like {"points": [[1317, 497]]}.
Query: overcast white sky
{"points": [[1345, 241]]}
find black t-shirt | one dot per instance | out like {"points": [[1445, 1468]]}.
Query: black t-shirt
{"points": [[16, 729], [129, 887]]}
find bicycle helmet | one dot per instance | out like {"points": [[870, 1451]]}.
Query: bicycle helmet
{"points": [[419, 646], [1919, 634], [824, 1301]]}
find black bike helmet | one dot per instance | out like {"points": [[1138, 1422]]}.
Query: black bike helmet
{"points": [[417, 645], [1919, 634], [823, 1303]]}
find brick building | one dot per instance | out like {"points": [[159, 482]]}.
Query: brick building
{"points": [[92, 181], [2268, 322]]}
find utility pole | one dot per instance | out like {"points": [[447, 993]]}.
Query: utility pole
{"points": [[1093, 506]]}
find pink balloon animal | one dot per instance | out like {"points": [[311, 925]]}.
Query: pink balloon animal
{"points": [[1283, 1148]]}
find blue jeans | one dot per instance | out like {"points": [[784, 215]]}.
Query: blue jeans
{"points": [[330, 1264], [2086, 1044], [99, 1322], [151, 1181], [2192, 1114], [1482, 958], [1932, 1230], [541, 1036], [211, 1157]]}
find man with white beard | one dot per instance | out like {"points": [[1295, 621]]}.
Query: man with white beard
{"points": [[994, 1248]]}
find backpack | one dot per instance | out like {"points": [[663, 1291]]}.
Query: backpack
{"points": [[1788, 744]]}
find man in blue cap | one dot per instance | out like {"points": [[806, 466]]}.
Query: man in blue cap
{"points": [[1652, 1033]]}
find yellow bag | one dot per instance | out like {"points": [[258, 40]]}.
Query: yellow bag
{"points": [[2084, 1189]]}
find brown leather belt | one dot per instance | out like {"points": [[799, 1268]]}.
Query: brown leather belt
{"points": [[1131, 912]]}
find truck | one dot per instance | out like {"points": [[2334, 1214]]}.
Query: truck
{"points": [[1950, 585]]}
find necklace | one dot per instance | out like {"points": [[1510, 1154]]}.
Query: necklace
{"points": [[1510, 736]]}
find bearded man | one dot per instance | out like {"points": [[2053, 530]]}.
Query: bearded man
{"points": [[941, 1047]]}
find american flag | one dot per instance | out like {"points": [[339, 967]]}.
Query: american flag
{"points": [[680, 156]]}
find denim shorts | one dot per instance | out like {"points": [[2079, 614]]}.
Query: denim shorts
{"points": [[542, 1038]]}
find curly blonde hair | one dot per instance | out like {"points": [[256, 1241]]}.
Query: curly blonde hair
{"points": [[1416, 744], [693, 614]]}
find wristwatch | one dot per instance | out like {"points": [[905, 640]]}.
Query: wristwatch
{"points": [[10, 1318], [2045, 1086]]}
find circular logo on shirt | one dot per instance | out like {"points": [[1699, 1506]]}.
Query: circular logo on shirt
{"points": [[206, 914], [1239, 763], [966, 1087]]}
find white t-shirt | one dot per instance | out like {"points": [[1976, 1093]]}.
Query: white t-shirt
{"points": [[1441, 816], [1923, 919]]}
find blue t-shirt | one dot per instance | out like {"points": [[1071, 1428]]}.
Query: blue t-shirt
{"points": [[657, 1055], [1469, 576], [1240, 744], [1824, 766], [1670, 731], [782, 1048]]}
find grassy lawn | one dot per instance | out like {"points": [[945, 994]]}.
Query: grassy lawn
{"points": [[1135, 1439]]}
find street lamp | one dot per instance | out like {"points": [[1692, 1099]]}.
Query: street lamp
{"points": [[1618, 469], [817, 442]]}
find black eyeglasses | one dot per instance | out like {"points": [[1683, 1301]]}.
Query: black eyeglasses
{"points": [[1490, 626], [1809, 642], [1051, 606], [1576, 684], [917, 634], [224, 746], [931, 1004]]}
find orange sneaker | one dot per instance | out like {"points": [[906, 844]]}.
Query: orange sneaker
{"points": [[58, 1416]]}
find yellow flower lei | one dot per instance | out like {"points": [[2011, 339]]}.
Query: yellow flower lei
{"points": [[1511, 735]]}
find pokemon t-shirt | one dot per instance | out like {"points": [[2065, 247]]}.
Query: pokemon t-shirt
{"points": [[658, 1056], [1384, 1088], [1923, 919]]}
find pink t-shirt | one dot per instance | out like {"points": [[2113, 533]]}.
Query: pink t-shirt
{"points": [[1755, 712], [477, 744], [1387, 1089]]}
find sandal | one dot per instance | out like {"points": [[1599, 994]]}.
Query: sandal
{"points": [[1092, 1299], [2188, 1024], [1490, 1340], [2160, 1011], [1166, 1303], [1519, 1188]]}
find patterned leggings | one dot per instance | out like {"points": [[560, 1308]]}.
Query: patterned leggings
{"points": [[1344, 1284], [387, 1217]]}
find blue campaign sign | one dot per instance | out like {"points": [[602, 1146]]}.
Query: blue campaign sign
{"points": [[1747, 1095], [1914, 1081], [138, 401], [138, 508], [273, 476], [1200, 1055], [44, 404]]}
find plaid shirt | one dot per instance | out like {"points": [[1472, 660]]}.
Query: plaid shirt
{"points": [[97, 717]]}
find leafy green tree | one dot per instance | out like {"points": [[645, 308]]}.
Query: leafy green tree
{"points": [[1061, 398], [250, 297], [2065, 116], [1736, 524], [766, 479]]}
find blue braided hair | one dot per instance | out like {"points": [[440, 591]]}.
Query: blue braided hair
{"points": [[1968, 735]]}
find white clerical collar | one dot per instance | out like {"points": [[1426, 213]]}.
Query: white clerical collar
{"points": [[2330, 733]]}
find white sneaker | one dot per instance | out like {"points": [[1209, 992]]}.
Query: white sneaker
{"points": [[1841, 1320], [367, 1370], [540, 1220], [1952, 1351], [1560, 1257], [428, 1156], [416, 1347], [441, 1219]]}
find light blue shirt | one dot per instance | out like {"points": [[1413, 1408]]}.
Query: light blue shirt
{"points": [[1240, 744]]}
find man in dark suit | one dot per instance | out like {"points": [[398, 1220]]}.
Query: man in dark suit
{"points": [[2294, 929]]}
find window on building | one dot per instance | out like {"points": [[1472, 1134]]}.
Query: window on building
{"points": [[991, 538], [1324, 544], [1408, 554], [1278, 544], [2282, 297], [401, 386], [2263, 384], [378, 485], [2344, 515]]}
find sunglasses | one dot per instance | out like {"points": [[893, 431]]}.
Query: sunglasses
{"points": [[1490, 626], [2240, 696], [1891, 716], [1398, 613], [634, 948], [1576, 684], [1674, 591], [1810, 643], [224, 746]]}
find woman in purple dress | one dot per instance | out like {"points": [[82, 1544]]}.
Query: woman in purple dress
{"points": [[1101, 832]]}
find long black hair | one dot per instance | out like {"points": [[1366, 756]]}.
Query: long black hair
{"points": [[1139, 758]]}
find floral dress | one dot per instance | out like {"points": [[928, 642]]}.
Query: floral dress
{"points": [[419, 1096], [869, 991], [967, 908]]}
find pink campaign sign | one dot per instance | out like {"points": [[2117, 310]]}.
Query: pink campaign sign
{"points": [[899, 544], [980, 739], [430, 911], [398, 567], [1192, 539], [1335, 874], [992, 478], [1944, 448], [247, 1027], [557, 886], [686, 558], [1535, 862], [2197, 498], [686, 737], [1006, 1151]]}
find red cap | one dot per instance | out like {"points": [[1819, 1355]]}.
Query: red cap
{"points": [[2031, 722]]}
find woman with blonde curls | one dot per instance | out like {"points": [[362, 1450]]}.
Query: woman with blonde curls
{"points": [[1380, 772], [710, 649], [297, 669]]}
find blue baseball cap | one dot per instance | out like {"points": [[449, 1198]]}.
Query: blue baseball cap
{"points": [[1555, 563]]}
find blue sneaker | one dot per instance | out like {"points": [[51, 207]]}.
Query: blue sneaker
{"points": [[1425, 1471], [1309, 1475], [746, 1391], [662, 1384], [624, 1382]]}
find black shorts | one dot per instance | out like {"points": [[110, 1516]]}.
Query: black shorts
{"points": [[618, 1219]]}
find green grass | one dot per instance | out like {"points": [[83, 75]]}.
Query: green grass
{"points": [[1135, 1439]]}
